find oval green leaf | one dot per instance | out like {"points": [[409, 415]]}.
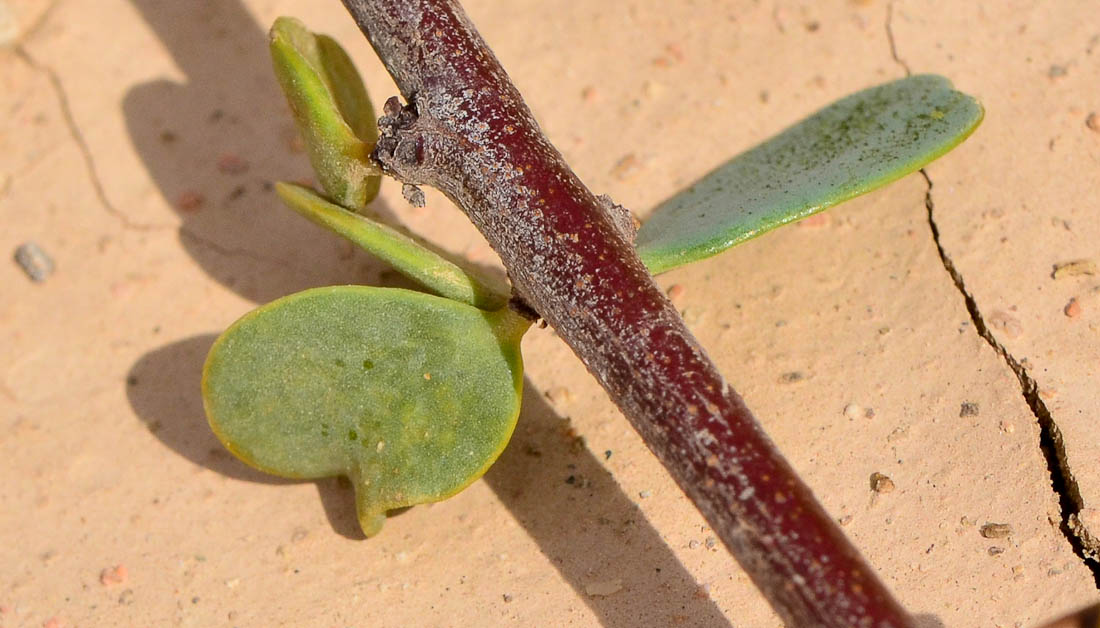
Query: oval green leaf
{"points": [[406, 255], [410, 396], [849, 148], [331, 108]]}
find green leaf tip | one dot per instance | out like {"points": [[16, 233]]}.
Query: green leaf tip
{"points": [[851, 147], [331, 108], [405, 254], [409, 395]]}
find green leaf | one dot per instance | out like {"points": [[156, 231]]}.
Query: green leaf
{"points": [[332, 110], [849, 148], [409, 395], [346, 87], [400, 251]]}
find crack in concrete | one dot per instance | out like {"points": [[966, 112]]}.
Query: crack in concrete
{"points": [[39, 23], [1062, 480], [225, 251], [893, 43], [1085, 544], [20, 51], [78, 138]]}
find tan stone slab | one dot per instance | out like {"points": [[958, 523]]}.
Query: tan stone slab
{"points": [[110, 462]]}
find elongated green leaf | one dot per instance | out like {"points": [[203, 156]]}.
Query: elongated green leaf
{"points": [[400, 251], [346, 86], [849, 148], [409, 395], [331, 108]]}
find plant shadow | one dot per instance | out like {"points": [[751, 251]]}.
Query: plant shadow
{"points": [[591, 530], [164, 389], [214, 142], [558, 490]]}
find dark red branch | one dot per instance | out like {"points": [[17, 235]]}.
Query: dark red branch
{"points": [[467, 132]]}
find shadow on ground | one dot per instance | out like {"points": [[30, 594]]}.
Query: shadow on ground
{"points": [[555, 488], [164, 390], [564, 497], [213, 144]]}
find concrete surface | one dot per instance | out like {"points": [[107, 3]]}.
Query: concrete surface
{"points": [[920, 332]]}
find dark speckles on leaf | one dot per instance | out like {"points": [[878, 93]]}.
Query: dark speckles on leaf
{"points": [[299, 422], [849, 148]]}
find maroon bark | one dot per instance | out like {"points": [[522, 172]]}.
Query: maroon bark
{"points": [[467, 132]]}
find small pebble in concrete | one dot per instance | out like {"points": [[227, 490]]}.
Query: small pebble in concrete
{"points": [[1075, 268], [996, 551], [855, 411], [1093, 122], [604, 589], [702, 592], [995, 530], [792, 377], [626, 167], [558, 395], [576, 444], [190, 201], [1006, 323], [113, 575], [692, 316], [897, 434], [1017, 573], [1072, 309], [34, 261], [645, 494], [881, 483], [675, 291], [231, 163], [711, 542], [969, 408], [693, 544], [507, 597]]}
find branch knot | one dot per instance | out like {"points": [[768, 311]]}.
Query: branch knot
{"points": [[399, 144]]}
